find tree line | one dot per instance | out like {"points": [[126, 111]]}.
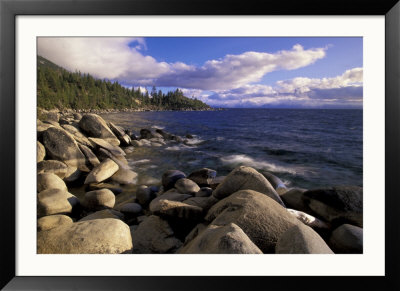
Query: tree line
{"points": [[61, 89]]}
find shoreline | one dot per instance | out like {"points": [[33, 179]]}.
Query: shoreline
{"points": [[85, 150]]}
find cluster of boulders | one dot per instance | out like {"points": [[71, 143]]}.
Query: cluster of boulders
{"points": [[245, 212]]}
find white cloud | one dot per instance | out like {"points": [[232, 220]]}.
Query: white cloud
{"points": [[114, 59]]}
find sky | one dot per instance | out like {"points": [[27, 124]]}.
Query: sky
{"points": [[241, 72]]}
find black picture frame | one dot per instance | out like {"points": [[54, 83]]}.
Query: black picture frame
{"points": [[10, 9]]}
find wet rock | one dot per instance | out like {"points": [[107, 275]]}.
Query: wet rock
{"points": [[338, 205], [98, 236], [49, 181], [145, 133], [227, 239], [262, 218], [204, 192], [98, 200], [186, 186], [347, 239], [137, 143], [103, 171], [154, 236], [277, 183], [55, 201], [246, 178], [52, 221], [61, 146], [170, 177], [164, 134], [203, 177], [294, 199], [40, 152], [301, 239], [131, 209], [145, 194], [95, 126]]}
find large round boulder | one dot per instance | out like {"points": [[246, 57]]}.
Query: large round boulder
{"points": [[55, 201], [98, 236], [49, 181], [95, 126], [246, 178], [338, 205], [262, 218], [154, 236], [61, 146], [227, 239], [98, 200], [347, 239], [103, 171], [170, 177], [102, 214], [301, 239]]}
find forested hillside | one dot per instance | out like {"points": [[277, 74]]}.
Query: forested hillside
{"points": [[59, 88]]}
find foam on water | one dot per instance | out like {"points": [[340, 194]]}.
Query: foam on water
{"points": [[262, 165], [194, 141], [178, 148]]}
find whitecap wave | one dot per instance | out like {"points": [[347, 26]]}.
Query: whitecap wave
{"points": [[144, 161], [244, 160], [157, 127], [177, 148], [194, 141]]}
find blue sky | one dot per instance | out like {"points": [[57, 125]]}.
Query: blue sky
{"points": [[305, 72]]}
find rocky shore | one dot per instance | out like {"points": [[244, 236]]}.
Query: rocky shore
{"points": [[245, 212]]}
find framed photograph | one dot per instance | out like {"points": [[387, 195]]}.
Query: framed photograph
{"points": [[177, 145]]}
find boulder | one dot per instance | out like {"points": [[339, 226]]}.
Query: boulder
{"points": [[103, 171], [49, 181], [204, 192], [277, 183], [98, 200], [95, 126], [52, 166], [53, 221], [40, 152], [144, 195], [301, 239], [42, 127], [309, 220], [262, 218], [103, 154], [73, 174], [77, 135], [227, 239], [61, 146], [203, 202], [164, 134], [131, 209], [347, 239], [203, 177], [97, 186], [105, 213], [55, 201], [93, 161], [175, 209], [137, 143], [338, 205], [170, 177], [124, 176], [216, 181], [154, 236], [170, 195], [120, 134], [115, 150], [246, 178], [186, 186], [294, 199], [98, 236], [145, 133]]}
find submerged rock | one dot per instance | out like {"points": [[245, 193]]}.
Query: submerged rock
{"points": [[170, 177]]}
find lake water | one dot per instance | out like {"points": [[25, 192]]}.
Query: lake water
{"points": [[306, 148]]}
